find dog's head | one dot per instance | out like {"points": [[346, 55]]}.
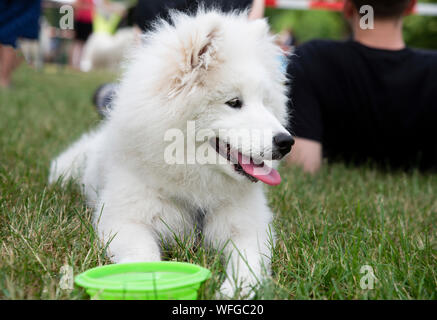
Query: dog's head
{"points": [[223, 73]]}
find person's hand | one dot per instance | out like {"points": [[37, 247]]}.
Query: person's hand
{"points": [[306, 154], [257, 10]]}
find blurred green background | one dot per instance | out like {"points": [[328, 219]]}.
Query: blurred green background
{"points": [[419, 31]]}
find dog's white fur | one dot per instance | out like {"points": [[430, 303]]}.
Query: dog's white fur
{"points": [[184, 71]]}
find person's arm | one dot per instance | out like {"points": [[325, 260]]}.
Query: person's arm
{"points": [[306, 122], [257, 10], [306, 154]]}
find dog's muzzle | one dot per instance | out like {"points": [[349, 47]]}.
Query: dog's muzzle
{"points": [[282, 144]]}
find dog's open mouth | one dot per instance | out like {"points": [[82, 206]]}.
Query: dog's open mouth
{"points": [[246, 165]]}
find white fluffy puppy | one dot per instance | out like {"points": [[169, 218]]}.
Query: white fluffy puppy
{"points": [[221, 71]]}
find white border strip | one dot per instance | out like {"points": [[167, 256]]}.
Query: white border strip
{"points": [[293, 4], [424, 9]]}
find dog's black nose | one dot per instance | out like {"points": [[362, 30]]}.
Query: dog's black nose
{"points": [[283, 143]]}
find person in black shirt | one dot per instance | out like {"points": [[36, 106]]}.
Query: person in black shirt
{"points": [[370, 97]]}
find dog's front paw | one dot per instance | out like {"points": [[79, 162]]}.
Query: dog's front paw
{"points": [[134, 257], [229, 290]]}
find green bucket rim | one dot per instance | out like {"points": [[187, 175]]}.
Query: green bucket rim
{"points": [[92, 278]]}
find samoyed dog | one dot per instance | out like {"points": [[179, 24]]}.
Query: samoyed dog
{"points": [[215, 73]]}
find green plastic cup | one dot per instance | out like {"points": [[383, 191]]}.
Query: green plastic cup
{"points": [[162, 280]]}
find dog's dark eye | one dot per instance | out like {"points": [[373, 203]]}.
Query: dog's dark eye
{"points": [[235, 103]]}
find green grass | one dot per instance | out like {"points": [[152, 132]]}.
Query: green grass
{"points": [[328, 226]]}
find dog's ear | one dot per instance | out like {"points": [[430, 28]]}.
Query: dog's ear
{"points": [[204, 50], [197, 53]]}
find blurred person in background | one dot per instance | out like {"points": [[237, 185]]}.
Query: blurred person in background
{"points": [[18, 19], [83, 27], [368, 98], [287, 39], [108, 43], [149, 10]]}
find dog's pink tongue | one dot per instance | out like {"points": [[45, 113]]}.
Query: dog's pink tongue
{"points": [[262, 172]]}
